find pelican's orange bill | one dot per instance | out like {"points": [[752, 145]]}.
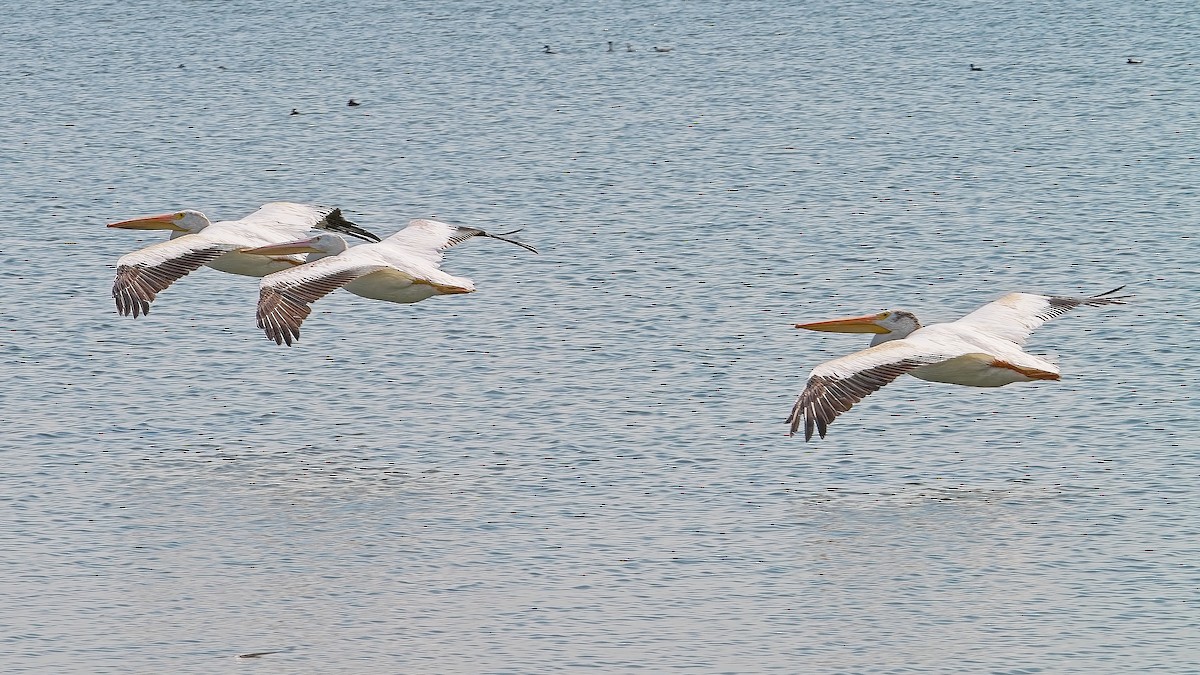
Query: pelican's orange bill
{"points": [[289, 248], [857, 324], [165, 221]]}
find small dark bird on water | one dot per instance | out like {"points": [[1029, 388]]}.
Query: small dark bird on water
{"points": [[546, 50], [294, 112], [1133, 62], [610, 46], [975, 67], [352, 103], [663, 50]]}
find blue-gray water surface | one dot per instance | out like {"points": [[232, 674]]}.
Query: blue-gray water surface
{"points": [[584, 465]]}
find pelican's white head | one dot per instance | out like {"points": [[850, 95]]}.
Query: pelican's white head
{"points": [[320, 246], [889, 325], [186, 222]]}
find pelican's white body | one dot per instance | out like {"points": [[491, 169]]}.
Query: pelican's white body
{"points": [[982, 349], [235, 262], [196, 242], [273, 223], [980, 354], [394, 287], [403, 268]]}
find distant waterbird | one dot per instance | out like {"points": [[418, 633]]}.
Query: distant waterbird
{"points": [[196, 242], [256, 655], [352, 103], [403, 268], [982, 349], [547, 50], [976, 68], [294, 112], [1133, 62], [663, 50]]}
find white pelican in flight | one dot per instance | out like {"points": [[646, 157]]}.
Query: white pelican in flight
{"points": [[195, 241], [403, 268], [982, 349]]}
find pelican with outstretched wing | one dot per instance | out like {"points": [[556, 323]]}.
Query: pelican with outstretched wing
{"points": [[982, 349], [195, 242], [405, 268]]}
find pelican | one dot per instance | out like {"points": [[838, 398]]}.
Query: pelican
{"points": [[982, 349], [195, 241], [403, 268]]}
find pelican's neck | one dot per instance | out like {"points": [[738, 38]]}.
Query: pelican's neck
{"points": [[887, 337], [317, 255], [902, 325], [192, 222], [327, 245]]}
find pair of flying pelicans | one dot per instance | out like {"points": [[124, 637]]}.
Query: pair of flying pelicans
{"points": [[301, 256], [299, 251]]}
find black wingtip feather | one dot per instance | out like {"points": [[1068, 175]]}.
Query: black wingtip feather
{"points": [[1107, 297], [336, 222], [504, 237]]}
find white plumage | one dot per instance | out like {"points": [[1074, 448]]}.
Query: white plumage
{"points": [[982, 349], [404, 268], [195, 241]]}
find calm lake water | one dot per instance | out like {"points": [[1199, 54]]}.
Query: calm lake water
{"points": [[584, 465]]}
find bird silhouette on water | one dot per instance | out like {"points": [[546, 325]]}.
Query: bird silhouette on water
{"points": [[975, 68], [352, 103]]}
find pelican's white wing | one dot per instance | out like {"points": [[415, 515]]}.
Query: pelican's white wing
{"points": [[291, 220], [428, 238], [143, 274], [835, 386], [1016, 315], [284, 297], [290, 215]]}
